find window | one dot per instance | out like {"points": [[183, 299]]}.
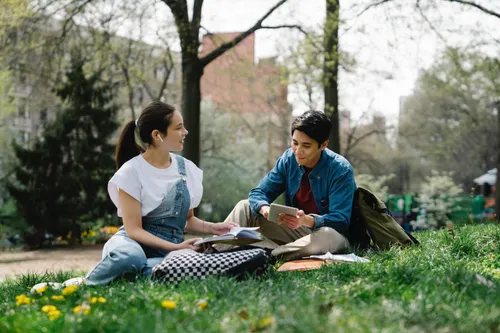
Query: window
{"points": [[21, 108], [22, 73], [43, 115], [23, 138]]}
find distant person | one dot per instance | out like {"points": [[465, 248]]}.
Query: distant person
{"points": [[314, 179]]}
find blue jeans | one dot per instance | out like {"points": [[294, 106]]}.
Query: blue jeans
{"points": [[121, 255]]}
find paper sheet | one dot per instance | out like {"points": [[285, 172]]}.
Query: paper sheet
{"points": [[339, 257]]}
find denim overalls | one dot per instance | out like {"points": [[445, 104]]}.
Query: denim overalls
{"points": [[122, 255]]}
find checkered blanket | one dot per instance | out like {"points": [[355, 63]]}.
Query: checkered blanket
{"points": [[188, 264]]}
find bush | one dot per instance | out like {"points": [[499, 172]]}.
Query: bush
{"points": [[438, 196]]}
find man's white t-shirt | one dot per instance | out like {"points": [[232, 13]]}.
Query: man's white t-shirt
{"points": [[148, 184]]}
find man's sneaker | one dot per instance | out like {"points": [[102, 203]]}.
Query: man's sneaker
{"points": [[40, 287], [74, 282]]}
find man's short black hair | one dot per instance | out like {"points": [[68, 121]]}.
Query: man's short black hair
{"points": [[315, 124]]}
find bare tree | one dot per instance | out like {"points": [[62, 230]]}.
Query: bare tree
{"points": [[331, 70], [193, 64]]}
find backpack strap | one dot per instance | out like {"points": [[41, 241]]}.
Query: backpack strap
{"points": [[413, 239]]}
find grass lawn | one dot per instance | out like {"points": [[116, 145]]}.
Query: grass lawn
{"points": [[445, 285]]}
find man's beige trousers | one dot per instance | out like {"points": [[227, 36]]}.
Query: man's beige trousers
{"points": [[288, 243]]}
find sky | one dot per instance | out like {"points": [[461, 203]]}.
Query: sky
{"points": [[390, 43], [390, 51]]}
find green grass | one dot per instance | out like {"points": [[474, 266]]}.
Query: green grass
{"points": [[431, 288]]}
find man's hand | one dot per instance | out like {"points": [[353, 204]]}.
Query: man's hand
{"points": [[264, 211], [222, 228], [293, 222]]}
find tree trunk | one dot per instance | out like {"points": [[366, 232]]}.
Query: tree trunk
{"points": [[191, 98], [330, 67]]}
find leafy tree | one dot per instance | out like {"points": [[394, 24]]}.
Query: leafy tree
{"points": [[232, 162], [377, 185], [62, 180], [449, 118]]}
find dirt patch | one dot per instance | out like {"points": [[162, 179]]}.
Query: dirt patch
{"points": [[53, 260]]}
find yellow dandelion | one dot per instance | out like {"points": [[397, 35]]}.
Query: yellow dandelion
{"points": [[69, 290], [266, 321], [84, 308], [94, 300], [84, 234], [202, 304], [41, 289], [54, 314], [48, 308], [22, 299], [168, 304], [57, 298]]}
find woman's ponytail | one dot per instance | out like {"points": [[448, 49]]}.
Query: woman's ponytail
{"points": [[126, 147], [136, 136]]}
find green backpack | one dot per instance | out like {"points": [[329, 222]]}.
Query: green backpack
{"points": [[372, 224]]}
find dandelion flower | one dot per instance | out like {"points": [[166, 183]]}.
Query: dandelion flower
{"points": [[69, 290], [84, 308], [57, 298], [48, 308], [168, 304], [202, 304], [94, 300], [22, 299], [54, 314], [41, 289], [266, 321]]}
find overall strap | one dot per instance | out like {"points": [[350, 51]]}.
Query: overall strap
{"points": [[181, 165]]}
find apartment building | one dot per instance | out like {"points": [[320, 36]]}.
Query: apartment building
{"points": [[255, 89], [38, 58]]}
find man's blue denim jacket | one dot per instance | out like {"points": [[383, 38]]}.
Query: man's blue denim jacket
{"points": [[332, 184]]}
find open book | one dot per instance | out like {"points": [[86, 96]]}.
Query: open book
{"points": [[237, 236]]}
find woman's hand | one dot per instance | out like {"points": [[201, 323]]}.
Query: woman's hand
{"points": [[188, 244], [222, 228]]}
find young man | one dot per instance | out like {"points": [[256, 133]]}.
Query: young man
{"points": [[314, 179]]}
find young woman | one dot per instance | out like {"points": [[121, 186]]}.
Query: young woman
{"points": [[155, 192]]}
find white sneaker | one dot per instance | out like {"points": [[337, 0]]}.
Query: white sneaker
{"points": [[74, 282], [53, 285]]}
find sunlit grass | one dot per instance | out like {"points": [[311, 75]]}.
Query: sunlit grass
{"points": [[447, 284]]}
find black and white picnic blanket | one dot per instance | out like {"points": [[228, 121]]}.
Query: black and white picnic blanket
{"points": [[188, 264]]}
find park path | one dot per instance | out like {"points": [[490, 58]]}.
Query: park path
{"points": [[40, 261]]}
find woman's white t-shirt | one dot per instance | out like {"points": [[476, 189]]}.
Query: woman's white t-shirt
{"points": [[148, 184]]}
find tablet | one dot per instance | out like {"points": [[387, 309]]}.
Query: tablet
{"points": [[276, 209]]}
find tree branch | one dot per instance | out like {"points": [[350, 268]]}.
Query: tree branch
{"points": [[290, 26], [180, 11], [75, 11], [226, 46], [430, 23], [475, 5], [375, 4], [168, 65], [195, 22], [364, 136]]}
